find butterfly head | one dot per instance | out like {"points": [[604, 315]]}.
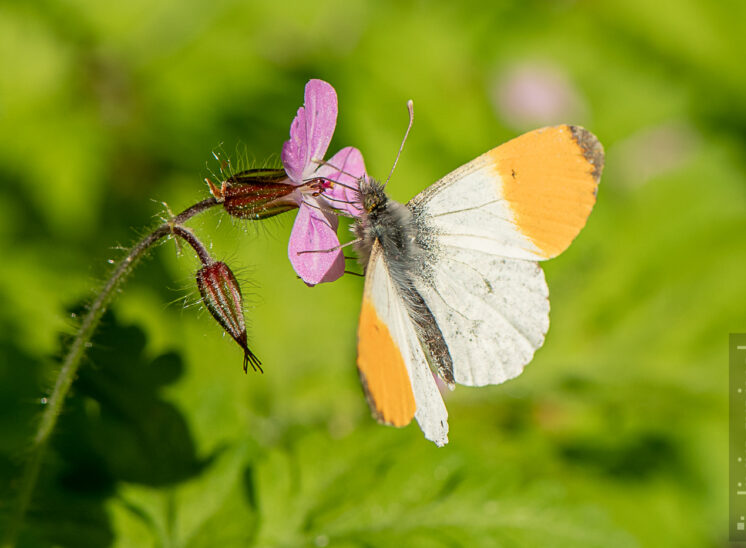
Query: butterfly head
{"points": [[372, 196]]}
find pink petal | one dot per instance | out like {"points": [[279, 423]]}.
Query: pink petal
{"points": [[315, 230], [311, 131], [345, 170], [294, 150]]}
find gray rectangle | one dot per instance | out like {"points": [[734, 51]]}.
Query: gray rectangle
{"points": [[737, 436]]}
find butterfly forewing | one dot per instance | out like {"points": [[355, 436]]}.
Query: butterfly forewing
{"points": [[395, 375], [526, 199]]}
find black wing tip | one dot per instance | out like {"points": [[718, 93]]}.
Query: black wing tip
{"points": [[592, 149]]}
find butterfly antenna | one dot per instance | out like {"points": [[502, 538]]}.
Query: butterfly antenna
{"points": [[410, 107]]}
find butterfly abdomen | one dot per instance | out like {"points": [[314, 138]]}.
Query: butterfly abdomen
{"points": [[394, 226]]}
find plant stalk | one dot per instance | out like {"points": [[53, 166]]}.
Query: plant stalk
{"points": [[72, 359]]}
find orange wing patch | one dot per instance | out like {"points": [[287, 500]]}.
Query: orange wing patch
{"points": [[382, 370], [550, 178]]}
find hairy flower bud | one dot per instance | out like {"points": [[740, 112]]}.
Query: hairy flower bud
{"points": [[222, 297], [257, 194]]}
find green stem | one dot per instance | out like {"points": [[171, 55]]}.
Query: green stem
{"points": [[72, 359]]}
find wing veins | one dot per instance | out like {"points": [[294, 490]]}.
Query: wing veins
{"points": [[484, 279], [469, 209], [479, 236], [508, 321]]}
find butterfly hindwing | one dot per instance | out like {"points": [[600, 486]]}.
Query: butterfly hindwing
{"points": [[493, 313]]}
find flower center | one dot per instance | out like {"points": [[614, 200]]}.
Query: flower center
{"points": [[317, 186]]}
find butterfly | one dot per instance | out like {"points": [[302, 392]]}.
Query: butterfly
{"points": [[453, 287]]}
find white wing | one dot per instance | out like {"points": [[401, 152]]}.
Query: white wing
{"points": [[493, 313], [386, 337], [467, 212]]}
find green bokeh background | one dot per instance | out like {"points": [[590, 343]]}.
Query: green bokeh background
{"points": [[615, 434]]}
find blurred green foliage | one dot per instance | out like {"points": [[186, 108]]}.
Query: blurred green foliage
{"points": [[616, 433]]}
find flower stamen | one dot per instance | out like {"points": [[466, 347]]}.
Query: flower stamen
{"points": [[335, 248]]}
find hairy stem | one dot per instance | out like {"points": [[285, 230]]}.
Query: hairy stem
{"points": [[75, 352], [187, 235]]}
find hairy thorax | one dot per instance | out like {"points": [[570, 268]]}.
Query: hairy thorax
{"points": [[392, 224]]}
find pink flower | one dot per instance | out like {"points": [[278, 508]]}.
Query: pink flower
{"points": [[323, 189]]}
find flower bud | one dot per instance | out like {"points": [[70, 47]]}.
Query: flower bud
{"points": [[222, 297], [258, 193]]}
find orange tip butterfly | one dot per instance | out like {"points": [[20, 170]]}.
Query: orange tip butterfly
{"points": [[453, 287]]}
